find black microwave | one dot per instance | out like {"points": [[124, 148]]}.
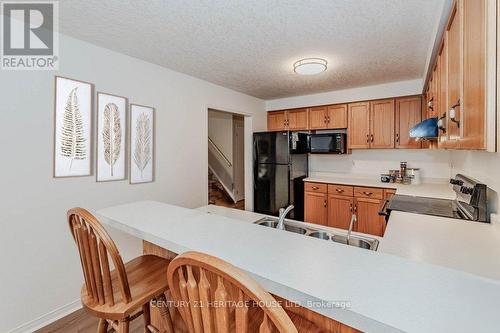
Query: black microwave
{"points": [[328, 143]]}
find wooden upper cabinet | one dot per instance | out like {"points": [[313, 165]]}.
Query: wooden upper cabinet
{"points": [[359, 125], [328, 117], [408, 114], [340, 210], [382, 124], [337, 116], [315, 208], [318, 117], [276, 121], [297, 119], [451, 101], [473, 102]]}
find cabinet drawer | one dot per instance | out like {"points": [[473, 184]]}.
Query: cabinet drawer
{"points": [[369, 192], [315, 187], [340, 190]]}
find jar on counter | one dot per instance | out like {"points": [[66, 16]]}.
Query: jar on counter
{"points": [[414, 174]]}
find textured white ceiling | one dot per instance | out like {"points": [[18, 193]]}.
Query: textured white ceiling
{"points": [[250, 45]]}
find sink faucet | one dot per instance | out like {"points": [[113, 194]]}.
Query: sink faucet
{"points": [[283, 213], [353, 219]]}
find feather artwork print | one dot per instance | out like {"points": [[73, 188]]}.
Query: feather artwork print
{"points": [[72, 135], [111, 135], [142, 149]]}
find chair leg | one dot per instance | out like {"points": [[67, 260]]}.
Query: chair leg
{"points": [[165, 314], [147, 317], [123, 326], [103, 326]]}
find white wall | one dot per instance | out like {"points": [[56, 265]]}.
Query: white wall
{"points": [[434, 165], [483, 166], [393, 89], [40, 266]]}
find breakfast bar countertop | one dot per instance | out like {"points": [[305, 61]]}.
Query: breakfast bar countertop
{"points": [[386, 293]]}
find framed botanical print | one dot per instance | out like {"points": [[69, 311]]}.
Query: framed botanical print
{"points": [[111, 137], [72, 127], [142, 144]]}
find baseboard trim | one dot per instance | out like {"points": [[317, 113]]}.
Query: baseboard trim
{"points": [[48, 318]]}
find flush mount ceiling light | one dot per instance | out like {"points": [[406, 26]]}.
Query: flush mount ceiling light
{"points": [[310, 66]]}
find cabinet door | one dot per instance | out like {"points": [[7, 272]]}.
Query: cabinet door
{"points": [[359, 125], [315, 206], [452, 98], [296, 119], [318, 117], [276, 121], [369, 222], [474, 75], [441, 91], [337, 116], [408, 114], [435, 91], [340, 210], [382, 124]]}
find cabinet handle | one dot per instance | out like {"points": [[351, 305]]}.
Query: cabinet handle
{"points": [[372, 137], [367, 193], [328, 119], [315, 188], [350, 207], [397, 137], [324, 203], [453, 113], [355, 208], [367, 138], [339, 190]]}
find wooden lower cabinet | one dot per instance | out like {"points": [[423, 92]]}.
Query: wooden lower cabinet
{"points": [[340, 210], [369, 222], [315, 206], [334, 205]]}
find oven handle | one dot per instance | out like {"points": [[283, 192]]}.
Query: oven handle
{"points": [[383, 210]]}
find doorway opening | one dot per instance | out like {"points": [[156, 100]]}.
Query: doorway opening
{"points": [[226, 159]]}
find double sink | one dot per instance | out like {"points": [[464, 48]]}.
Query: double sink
{"points": [[298, 228]]}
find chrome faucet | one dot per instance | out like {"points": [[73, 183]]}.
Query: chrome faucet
{"points": [[351, 225], [283, 213]]}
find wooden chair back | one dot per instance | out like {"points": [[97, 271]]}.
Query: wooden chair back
{"points": [[214, 296], [95, 247]]}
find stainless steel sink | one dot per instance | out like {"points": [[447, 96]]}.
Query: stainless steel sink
{"points": [[272, 223], [296, 227], [320, 235], [353, 241]]}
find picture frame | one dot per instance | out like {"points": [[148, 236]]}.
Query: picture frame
{"points": [[112, 130], [142, 145], [73, 120]]}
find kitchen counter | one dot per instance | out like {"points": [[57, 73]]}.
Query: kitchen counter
{"points": [[440, 190], [386, 293], [472, 247]]}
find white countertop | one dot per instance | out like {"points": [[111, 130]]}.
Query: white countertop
{"points": [[472, 247], [387, 293], [440, 190]]}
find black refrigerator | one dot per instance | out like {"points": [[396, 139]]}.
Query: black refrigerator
{"points": [[280, 166]]}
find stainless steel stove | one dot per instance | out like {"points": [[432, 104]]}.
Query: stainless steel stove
{"points": [[470, 204]]}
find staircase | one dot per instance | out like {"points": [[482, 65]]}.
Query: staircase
{"points": [[220, 173]]}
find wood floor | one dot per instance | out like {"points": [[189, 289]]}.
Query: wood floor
{"points": [[217, 196], [81, 322]]}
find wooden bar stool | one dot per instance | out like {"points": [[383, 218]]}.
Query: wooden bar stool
{"points": [[119, 296], [213, 296]]}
